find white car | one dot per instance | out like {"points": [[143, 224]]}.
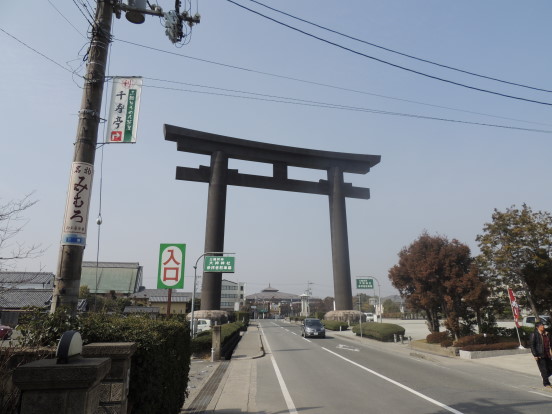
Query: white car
{"points": [[203, 325], [370, 317], [530, 321]]}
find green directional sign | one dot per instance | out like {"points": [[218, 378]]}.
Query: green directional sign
{"points": [[365, 283], [223, 264]]}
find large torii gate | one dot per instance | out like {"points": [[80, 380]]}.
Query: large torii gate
{"points": [[221, 148]]}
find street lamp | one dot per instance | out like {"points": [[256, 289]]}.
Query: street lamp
{"points": [[194, 290]]}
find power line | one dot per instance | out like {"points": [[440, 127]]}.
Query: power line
{"points": [[389, 63], [66, 19], [351, 108], [319, 83], [401, 53], [37, 52], [296, 101]]}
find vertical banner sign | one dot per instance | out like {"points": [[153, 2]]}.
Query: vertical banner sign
{"points": [[171, 266], [514, 305], [124, 109], [75, 221]]}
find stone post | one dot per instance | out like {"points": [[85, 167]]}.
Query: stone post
{"points": [[114, 387], [73, 388], [216, 343]]}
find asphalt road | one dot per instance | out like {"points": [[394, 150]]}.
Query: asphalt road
{"points": [[335, 375]]}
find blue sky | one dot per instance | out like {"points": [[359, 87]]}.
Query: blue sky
{"points": [[443, 177]]}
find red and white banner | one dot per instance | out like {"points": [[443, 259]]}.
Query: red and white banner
{"points": [[514, 305]]}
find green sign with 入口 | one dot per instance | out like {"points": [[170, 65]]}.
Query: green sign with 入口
{"points": [[223, 264], [365, 283]]}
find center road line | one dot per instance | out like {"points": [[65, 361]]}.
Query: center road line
{"points": [[398, 384], [283, 387]]}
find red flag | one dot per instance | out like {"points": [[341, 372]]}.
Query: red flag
{"points": [[514, 305]]}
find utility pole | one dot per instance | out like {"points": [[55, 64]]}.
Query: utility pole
{"points": [[75, 223], [69, 268]]}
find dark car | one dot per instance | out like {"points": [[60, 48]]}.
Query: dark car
{"points": [[5, 332], [313, 327]]}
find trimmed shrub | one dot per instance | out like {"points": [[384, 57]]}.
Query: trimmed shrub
{"points": [[478, 339], [242, 317], [446, 343], [491, 347], [437, 337], [380, 331], [159, 367], [335, 325], [203, 342]]}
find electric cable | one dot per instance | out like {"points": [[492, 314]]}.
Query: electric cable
{"points": [[317, 83], [401, 53], [392, 64], [357, 109]]}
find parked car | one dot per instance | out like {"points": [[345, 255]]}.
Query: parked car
{"points": [[5, 332], [203, 325], [313, 327], [530, 321], [370, 317]]}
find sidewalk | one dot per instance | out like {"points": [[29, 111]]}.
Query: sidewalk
{"points": [[226, 386]]}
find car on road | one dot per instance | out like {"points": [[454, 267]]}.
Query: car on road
{"points": [[530, 321], [313, 327], [5, 332]]}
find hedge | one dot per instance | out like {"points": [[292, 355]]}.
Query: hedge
{"points": [[335, 325], [159, 367], [202, 343], [438, 337], [479, 339], [491, 347], [380, 331]]}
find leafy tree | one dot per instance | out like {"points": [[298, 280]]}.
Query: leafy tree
{"points": [[391, 307], [328, 303], [436, 276], [515, 252]]}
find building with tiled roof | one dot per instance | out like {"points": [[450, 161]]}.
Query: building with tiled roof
{"points": [[26, 280], [273, 295], [104, 277], [159, 298]]}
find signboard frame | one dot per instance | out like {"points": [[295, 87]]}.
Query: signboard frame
{"points": [[364, 283], [219, 264], [172, 260]]}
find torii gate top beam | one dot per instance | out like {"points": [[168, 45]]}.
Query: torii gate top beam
{"points": [[199, 142], [280, 156]]}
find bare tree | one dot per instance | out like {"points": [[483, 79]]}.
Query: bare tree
{"points": [[12, 222]]}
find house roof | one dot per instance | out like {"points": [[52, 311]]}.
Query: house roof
{"points": [[21, 298], [174, 299], [141, 309], [160, 293], [103, 277], [127, 265], [273, 294], [26, 277]]}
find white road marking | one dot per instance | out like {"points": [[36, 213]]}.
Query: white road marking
{"points": [[398, 384], [540, 393], [283, 387], [348, 348]]}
